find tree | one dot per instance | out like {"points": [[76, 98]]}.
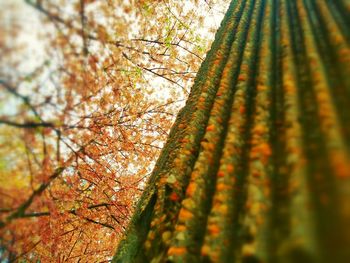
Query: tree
{"points": [[80, 130], [256, 167]]}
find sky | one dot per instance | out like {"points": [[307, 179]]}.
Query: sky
{"points": [[30, 41], [17, 12]]}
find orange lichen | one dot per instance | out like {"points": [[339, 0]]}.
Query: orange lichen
{"points": [[174, 197], [205, 250], [242, 77], [217, 61], [259, 129], [177, 251], [211, 127], [222, 209], [256, 173], [222, 187], [180, 228], [184, 140], [261, 88], [187, 152], [262, 151], [230, 168], [191, 189], [341, 165], [214, 229], [219, 120], [265, 149], [185, 214], [210, 146], [241, 109], [221, 174], [182, 126], [162, 180]]}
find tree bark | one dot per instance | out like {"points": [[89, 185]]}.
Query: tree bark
{"points": [[256, 167]]}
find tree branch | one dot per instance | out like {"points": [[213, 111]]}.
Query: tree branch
{"points": [[20, 211], [74, 212], [28, 124]]}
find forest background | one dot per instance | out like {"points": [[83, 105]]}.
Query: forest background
{"points": [[88, 92]]}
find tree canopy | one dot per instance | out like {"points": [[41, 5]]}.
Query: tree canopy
{"points": [[89, 91]]}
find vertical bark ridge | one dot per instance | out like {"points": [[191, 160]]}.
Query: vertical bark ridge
{"points": [[338, 154], [257, 165], [341, 11], [314, 146], [331, 44], [294, 234], [219, 244], [172, 182], [192, 218], [256, 220]]}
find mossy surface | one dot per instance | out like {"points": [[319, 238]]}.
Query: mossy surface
{"points": [[256, 167]]}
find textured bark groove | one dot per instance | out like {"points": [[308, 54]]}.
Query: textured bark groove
{"points": [[257, 164]]}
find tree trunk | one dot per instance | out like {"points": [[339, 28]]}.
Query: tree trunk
{"points": [[256, 167]]}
